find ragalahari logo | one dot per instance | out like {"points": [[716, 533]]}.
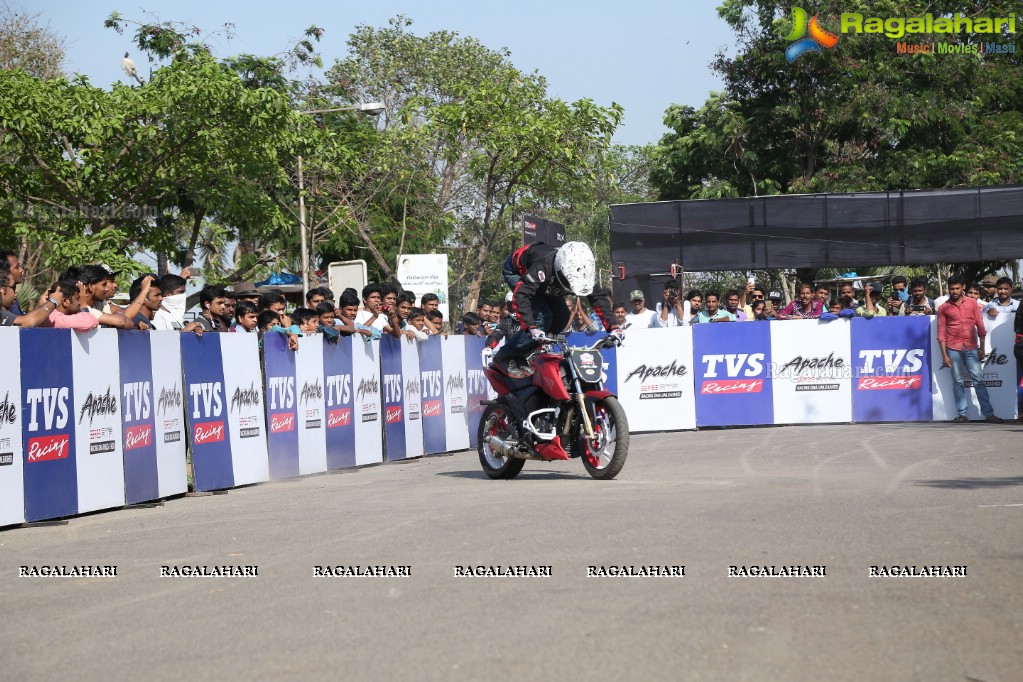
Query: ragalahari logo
{"points": [[817, 39]]}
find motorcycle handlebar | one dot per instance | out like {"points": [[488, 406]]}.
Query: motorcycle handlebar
{"points": [[604, 342]]}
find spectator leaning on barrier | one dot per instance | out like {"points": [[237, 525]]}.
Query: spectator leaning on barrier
{"points": [[9, 262], [732, 306], [640, 317], [806, 307], [246, 316], [620, 311], [315, 297], [901, 287], [872, 303], [48, 303], [712, 312], [147, 289], [847, 290], [822, 294], [471, 324], [918, 302], [69, 314], [671, 311], [171, 315], [961, 339], [759, 311], [1003, 302], [213, 303], [435, 322], [417, 318], [93, 287]]}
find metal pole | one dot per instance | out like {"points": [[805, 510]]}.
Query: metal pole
{"points": [[302, 229]]}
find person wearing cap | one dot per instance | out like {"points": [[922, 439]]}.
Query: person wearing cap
{"points": [[989, 288], [872, 303], [640, 317], [246, 291], [774, 300]]}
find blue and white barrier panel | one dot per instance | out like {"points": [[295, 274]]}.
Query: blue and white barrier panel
{"points": [[99, 419], [227, 424]]}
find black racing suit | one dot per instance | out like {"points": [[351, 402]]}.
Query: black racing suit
{"points": [[539, 298]]}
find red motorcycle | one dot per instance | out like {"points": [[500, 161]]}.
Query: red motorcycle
{"points": [[559, 412]]}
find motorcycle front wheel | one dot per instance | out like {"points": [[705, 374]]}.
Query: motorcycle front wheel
{"points": [[604, 456], [497, 421]]}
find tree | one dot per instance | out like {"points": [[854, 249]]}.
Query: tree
{"points": [[857, 117]]}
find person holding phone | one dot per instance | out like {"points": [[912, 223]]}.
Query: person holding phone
{"points": [[918, 302]]}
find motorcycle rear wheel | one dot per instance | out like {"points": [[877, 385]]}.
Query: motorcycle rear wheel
{"points": [[605, 456], [497, 421]]}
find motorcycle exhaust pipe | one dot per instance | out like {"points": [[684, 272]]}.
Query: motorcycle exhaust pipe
{"points": [[507, 448]]}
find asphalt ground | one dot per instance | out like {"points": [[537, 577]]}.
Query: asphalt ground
{"points": [[844, 497]]}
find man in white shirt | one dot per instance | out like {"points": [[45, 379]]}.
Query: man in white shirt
{"points": [[373, 313], [640, 317], [1003, 301], [671, 311]]}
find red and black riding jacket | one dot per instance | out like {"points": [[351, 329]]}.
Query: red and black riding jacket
{"points": [[535, 265]]}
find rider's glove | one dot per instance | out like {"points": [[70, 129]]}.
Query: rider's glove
{"points": [[537, 334], [487, 356], [619, 335]]}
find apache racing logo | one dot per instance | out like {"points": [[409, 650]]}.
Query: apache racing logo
{"points": [[666, 376], [98, 405], [808, 373], [368, 388]]}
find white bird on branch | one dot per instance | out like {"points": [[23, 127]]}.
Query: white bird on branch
{"points": [[128, 66]]}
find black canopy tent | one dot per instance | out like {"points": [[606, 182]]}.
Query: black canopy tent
{"points": [[910, 227]]}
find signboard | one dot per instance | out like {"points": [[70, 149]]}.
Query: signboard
{"points": [[999, 373], [477, 388], [12, 483], [542, 230], [456, 396], [394, 397], [169, 422], [281, 412], [426, 274], [138, 418], [732, 369], [431, 371], [369, 439], [655, 379], [339, 402], [312, 444], [891, 377], [812, 371]]}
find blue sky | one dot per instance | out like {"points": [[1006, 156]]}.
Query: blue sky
{"points": [[644, 55]]}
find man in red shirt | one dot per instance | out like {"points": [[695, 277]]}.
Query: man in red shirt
{"points": [[960, 323]]}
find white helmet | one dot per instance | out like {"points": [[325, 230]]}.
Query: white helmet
{"points": [[575, 269]]}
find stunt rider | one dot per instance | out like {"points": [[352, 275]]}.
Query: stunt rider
{"points": [[546, 274]]}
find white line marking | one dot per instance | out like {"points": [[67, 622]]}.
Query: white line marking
{"points": [[999, 505]]}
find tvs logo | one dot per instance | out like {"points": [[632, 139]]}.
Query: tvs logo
{"points": [[432, 408], [892, 360], [98, 405], [45, 448], [55, 410], [282, 422], [138, 436], [392, 389], [431, 383], [339, 389], [8, 410], [394, 414], [732, 386], [902, 383], [137, 405], [735, 364], [586, 360], [207, 399], [817, 39], [339, 417], [208, 432], [281, 391]]}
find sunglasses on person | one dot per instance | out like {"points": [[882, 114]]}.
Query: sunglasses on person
{"points": [[758, 297]]}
